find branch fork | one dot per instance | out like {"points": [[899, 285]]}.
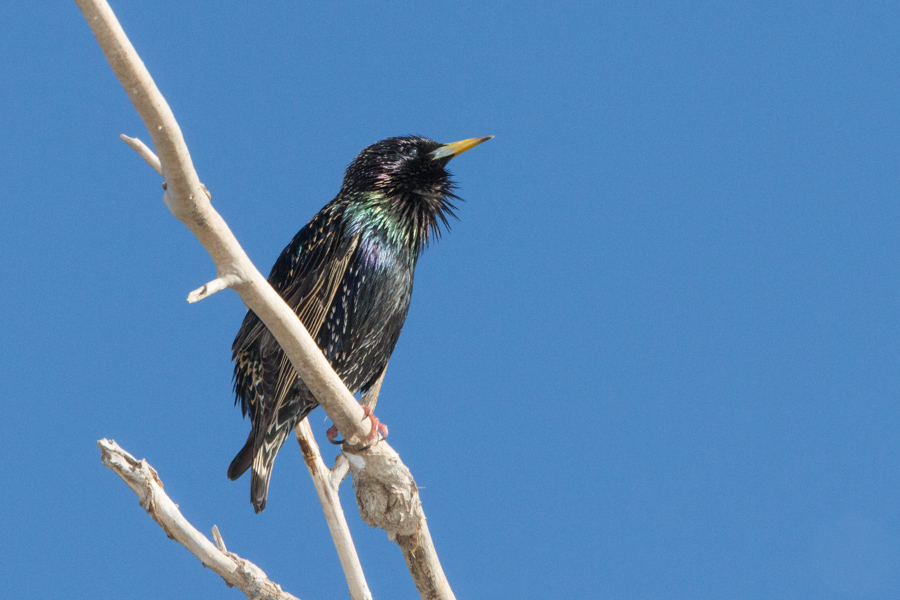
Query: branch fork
{"points": [[385, 490]]}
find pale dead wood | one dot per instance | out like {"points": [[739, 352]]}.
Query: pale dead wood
{"points": [[422, 561], [327, 490], [389, 499], [145, 482], [145, 152], [384, 486]]}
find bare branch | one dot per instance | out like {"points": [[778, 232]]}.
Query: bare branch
{"points": [[340, 470], [334, 514], [145, 152], [389, 499], [216, 285], [188, 201], [424, 566], [386, 493], [144, 481]]}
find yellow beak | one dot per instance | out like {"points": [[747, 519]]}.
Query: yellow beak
{"points": [[457, 148]]}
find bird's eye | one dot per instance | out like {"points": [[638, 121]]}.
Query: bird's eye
{"points": [[413, 152]]}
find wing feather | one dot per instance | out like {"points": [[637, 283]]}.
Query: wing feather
{"points": [[307, 275]]}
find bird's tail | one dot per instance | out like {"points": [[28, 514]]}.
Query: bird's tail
{"points": [[263, 444], [243, 460], [261, 457], [263, 462]]}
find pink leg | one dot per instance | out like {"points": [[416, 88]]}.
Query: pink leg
{"points": [[377, 426], [332, 434]]}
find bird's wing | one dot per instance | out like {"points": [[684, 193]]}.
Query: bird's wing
{"points": [[301, 270], [313, 308], [307, 275]]}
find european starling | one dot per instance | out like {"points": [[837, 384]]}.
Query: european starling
{"points": [[348, 275]]}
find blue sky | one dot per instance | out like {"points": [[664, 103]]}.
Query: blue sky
{"points": [[656, 357]]}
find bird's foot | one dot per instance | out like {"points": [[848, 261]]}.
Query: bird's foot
{"points": [[377, 427], [332, 434]]}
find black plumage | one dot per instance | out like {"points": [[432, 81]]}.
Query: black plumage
{"points": [[348, 274]]}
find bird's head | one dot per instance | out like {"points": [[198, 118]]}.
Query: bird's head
{"points": [[401, 185]]}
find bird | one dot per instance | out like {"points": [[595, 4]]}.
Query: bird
{"points": [[348, 275]]}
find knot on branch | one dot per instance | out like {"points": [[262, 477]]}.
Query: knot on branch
{"points": [[258, 585], [385, 491]]}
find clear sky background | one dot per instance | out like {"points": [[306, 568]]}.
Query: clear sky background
{"points": [[656, 357]]}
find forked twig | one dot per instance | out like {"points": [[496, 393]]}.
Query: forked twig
{"points": [[385, 490]]}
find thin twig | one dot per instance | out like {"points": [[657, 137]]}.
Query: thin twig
{"points": [[340, 470], [145, 152], [334, 513], [217, 538], [213, 287], [145, 482]]}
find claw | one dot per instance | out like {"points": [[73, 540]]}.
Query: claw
{"points": [[332, 434], [377, 426]]}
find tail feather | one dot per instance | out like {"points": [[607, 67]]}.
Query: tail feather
{"points": [[264, 442], [243, 460], [262, 467]]}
